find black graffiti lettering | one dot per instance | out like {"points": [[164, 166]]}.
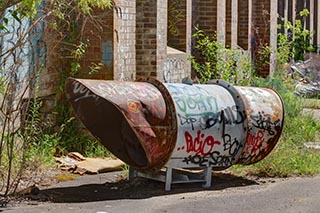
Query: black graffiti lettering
{"points": [[261, 122], [189, 121], [211, 159], [219, 160], [231, 146], [225, 116]]}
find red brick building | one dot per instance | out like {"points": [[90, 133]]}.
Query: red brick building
{"points": [[134, 40]]}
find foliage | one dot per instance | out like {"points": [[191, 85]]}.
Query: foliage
{"points": [[290, 156], [17, 9], [217, 62], [293, 45], [26, 141]]}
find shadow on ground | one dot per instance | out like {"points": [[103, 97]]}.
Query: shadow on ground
{"points": [[135, 188]]}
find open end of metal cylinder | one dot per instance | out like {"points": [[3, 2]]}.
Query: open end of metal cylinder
{"points": [[106, 122]]}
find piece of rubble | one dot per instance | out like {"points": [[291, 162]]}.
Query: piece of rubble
{"points": [[76, 163]]}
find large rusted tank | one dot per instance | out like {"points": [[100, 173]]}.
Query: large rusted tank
{"points": [[150, 125]]}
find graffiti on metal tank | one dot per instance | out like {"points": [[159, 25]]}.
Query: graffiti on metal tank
{"points": [[82, 92], [230, 144], [171, 67], [255, 143], [200, 145], [261, 137], [127, 90], [207, 139], [214, 158], [205, 155], [193, 100], [261, 121], [210, 119]]}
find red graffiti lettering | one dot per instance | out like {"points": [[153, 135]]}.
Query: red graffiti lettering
{"points": [[200, 144], [255, 142]]}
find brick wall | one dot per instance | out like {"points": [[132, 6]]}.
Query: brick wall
{"points": [[243, 24], [228, 23], [125, 40], [178, 39], [50, 75], [204, 15], [97, 36], [146, 37], [261, 28], [151, 35], [57, 57]]}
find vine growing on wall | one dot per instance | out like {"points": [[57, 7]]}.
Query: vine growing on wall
{"points": [[174, 16]]}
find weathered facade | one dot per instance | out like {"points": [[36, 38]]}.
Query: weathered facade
{"points": [[154, 38]]}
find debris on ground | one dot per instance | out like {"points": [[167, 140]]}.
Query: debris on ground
{"points": [[76, 163], [309, 72]]}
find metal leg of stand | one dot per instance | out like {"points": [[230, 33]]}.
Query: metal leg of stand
{"points": [[168, 178], [132, 173], [207, 177]]}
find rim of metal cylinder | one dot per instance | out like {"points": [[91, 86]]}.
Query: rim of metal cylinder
{"points": [[277, 137], [171, 139], [235, 91], [170, 111], [240, 103]]}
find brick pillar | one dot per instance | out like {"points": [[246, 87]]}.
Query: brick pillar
{"points": [[151, 35], [124, 40]]}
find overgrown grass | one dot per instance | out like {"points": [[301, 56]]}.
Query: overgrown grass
{"points": [[290, 157]]}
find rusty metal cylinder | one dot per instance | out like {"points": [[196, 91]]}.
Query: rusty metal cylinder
{"points": [[150, 125], [265, 119], [131, 119]]}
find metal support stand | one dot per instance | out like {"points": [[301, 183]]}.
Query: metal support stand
{"points": [[172, 176]]}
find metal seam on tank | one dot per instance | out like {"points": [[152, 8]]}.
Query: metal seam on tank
{"points": [[170, 110], [238, 100]]}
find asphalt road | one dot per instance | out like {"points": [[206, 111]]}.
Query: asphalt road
{"points": [[100, 194]]}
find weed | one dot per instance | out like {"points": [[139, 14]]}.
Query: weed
{"points": [[217, 62]]}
